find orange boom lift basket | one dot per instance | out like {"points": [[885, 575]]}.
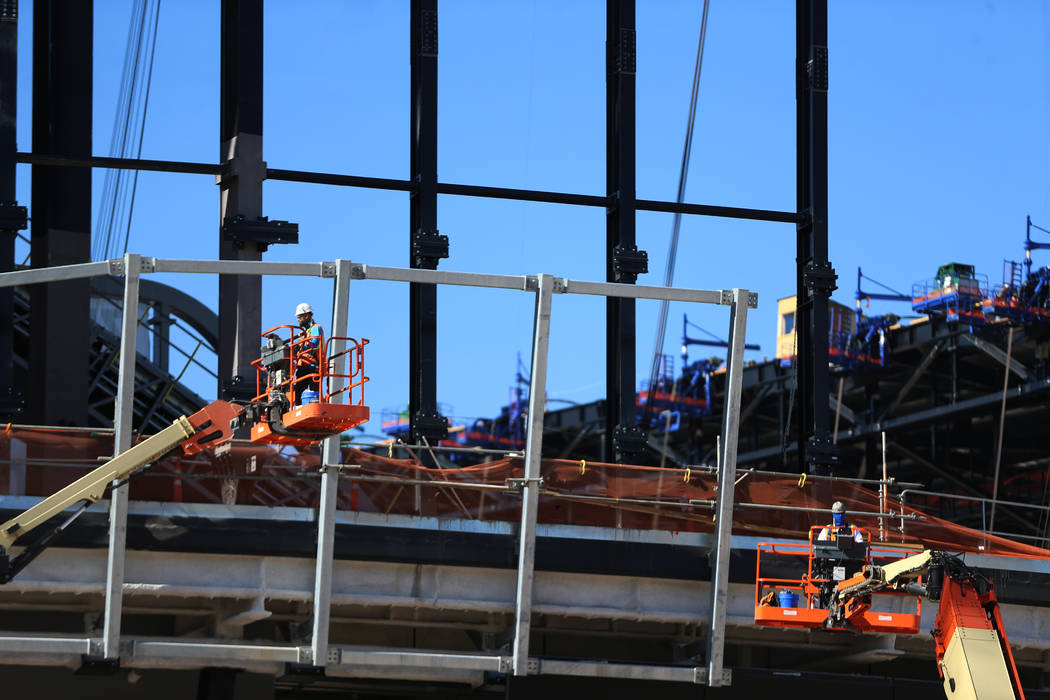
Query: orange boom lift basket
{"points": [[286, 366]]}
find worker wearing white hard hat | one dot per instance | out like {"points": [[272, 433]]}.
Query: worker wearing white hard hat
{"points": [[839, 527], [307, 350]]}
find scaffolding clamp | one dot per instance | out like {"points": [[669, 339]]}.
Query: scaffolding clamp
{"points": [[520, 483]]}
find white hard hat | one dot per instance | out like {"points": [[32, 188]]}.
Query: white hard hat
{"points": [[838, 507], [303, 308]]}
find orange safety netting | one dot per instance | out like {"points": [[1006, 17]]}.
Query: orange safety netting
{"points": [[574, 492]]}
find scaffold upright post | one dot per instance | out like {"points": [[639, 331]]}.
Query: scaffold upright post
{"points": [[530, 492], [330, 458], [726, 484], [122, 417]]}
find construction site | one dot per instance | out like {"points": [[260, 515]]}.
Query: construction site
{"points": [[864, 511]]}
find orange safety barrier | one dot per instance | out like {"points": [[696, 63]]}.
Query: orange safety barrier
{"points": [[574, 492]]}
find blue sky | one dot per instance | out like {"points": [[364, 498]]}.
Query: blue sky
{"points": [[938, 146]]}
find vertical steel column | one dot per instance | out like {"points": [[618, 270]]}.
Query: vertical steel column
{"points": [[330, 456], [815, 277], [241, 185], [726, 483], [530, 492], [12, 217], [426, 245], [122, 417], [61, 204], [624, 262]]}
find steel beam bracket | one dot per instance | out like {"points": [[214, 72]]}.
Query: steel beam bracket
{"points": [[628, 439], [517, 483], [626, 52], [11, 403], [427, 248], [262, 231], [628, 263], [700, 676], [238, 388], [821, 453], [97, 666], [817, 69], [820, 278], [13, 217], [430, 426]]}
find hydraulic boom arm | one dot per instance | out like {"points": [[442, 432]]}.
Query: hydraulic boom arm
{"points": [[973, 653], [206, 429]]}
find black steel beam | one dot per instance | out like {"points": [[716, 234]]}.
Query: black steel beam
{"points": [[815, 278], [61, 207], [623, 260], [164, 166], [240, 151], [425, 245], [10, 397], [1031, 391], [382, 183]]}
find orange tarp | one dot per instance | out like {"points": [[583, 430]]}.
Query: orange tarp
{"points": [[574, 492]]}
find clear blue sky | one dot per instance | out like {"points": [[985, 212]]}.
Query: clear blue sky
{"points": [[938, 150]]}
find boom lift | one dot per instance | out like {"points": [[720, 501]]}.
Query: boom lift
{"points": [[973, 653], [273, 416]]}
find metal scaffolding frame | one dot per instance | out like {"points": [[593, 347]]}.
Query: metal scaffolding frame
{"points": [[319, 653]]}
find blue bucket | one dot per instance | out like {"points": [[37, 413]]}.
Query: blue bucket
{"points": [[788, 599], [308, 396]]}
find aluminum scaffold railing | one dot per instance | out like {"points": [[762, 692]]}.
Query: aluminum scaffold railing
{"points": [[319, 652]]}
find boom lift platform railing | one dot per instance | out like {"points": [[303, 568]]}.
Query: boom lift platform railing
{"points": [[318, 653]]}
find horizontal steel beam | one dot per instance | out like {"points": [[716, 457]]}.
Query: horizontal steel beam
{"points": [[54, 274], [359, 271], [380, 183], [461, 662], [166, 166], [46, 645], [375, 183], [678, 674], [217, 652], [243, 267]]}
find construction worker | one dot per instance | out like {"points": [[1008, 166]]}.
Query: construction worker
{"points": [[838, 526], [307, 350]]}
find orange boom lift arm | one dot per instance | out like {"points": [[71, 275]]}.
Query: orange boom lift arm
{"points": [[272, 415]]}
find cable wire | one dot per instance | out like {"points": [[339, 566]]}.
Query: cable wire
{"points": [[661, 328], [113, 225]]}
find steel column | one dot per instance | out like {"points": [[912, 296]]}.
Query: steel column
{"points": [[10, 398], [426, 245], [241, 185], [624, 262], [530, 492], [726, 486], [122, 427], [815, 279], [61, 203], [330, 457]]}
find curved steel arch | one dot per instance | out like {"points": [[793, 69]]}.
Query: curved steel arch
{"points": [[199, 317]]}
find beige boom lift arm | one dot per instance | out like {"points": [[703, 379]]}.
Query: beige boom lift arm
{"points": [[973, 653], [206, 429]]}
